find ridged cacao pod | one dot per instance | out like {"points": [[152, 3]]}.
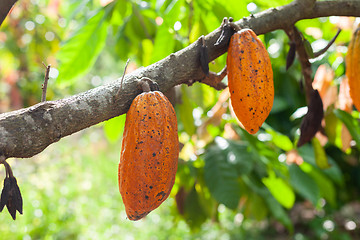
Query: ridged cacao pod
{"points": [[250, 79], [149, 155], [353, 67]]}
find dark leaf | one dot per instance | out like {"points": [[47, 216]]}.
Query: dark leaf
{"points": [[204, 59], [17, 199], [225, 35], [180, 200], [5, 193], [11, 197], [291, 55], [312, 121], [11, 208]]}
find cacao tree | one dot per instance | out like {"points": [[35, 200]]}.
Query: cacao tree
{"points": [[297, 175]]}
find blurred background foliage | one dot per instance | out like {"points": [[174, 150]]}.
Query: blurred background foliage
{"points": [[229, 185]]}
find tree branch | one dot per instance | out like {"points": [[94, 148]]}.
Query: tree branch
{"points": [[26, 132], [5, 7]]}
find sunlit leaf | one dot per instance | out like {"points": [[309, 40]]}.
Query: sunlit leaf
{"points": [[114, 128], [198, 29], [147, 47], [280, 140], [185, 112], [79, 53], [281, 191], [351, 123], [331, 122], [320, 155], [164, 43]]}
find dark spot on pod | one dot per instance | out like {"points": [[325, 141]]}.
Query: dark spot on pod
{"points": [[146, 197], [151, 187], [161, 194], [154, 154]]}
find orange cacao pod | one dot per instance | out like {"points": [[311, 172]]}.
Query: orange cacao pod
{"points": [[353, 68], [250, 79], [149, 154]]}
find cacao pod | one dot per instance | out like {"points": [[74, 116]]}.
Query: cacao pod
{"points": [[149, 154], [250, 79], [353, 68]]}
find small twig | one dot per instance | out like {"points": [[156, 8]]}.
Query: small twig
{"points": [[328, 45], [44, 86], [122, 78], [295, 36], [9, 172], [214, 79]]}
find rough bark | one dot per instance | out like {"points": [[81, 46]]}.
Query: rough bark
{"points": [[26, 132]]}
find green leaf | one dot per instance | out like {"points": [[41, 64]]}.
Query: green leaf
{"points": [[308, 48], [278, 212], [239, 156], [164, 43], [326, 187], [304, 184], [79, 53], [281, 191], [194, 213], [279, 105], [320, 155], [255, 206], [185, 112], [148, 48], [274, 206], [331, 122], [198, 29], [114, 128], [280, 140], [221, 177], [351, 123], [334, 172]]}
